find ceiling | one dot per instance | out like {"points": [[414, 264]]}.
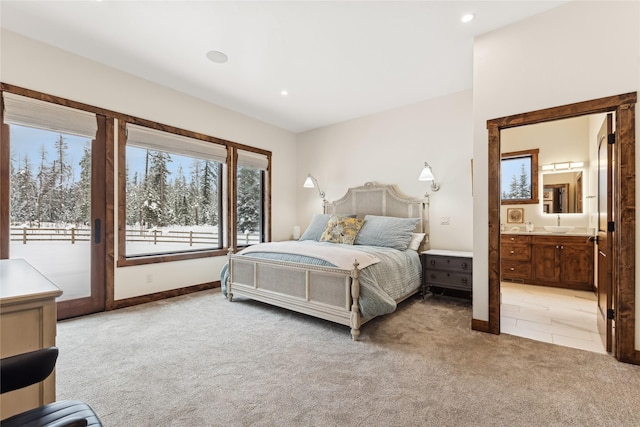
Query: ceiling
{"points": [[338, 60]]}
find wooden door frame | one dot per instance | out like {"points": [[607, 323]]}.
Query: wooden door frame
{"points": [[623, 281]]}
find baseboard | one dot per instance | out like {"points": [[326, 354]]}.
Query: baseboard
{"points": [[143, 299], [480, 325]]}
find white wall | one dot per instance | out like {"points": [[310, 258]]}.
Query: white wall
{"points": [[37, 66], [576, 52], [391, 148]]}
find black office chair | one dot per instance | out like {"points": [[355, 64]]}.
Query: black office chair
{"points": [[30, 368]]}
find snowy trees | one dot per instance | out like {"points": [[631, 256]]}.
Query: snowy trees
{"points": [[164, 196], [51, 183], [249, 199], [49, 192], [519, 187]]}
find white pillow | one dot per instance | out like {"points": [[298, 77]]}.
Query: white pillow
{"points": [[416, 241]]}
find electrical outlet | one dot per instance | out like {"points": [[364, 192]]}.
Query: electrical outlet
{"points": [[444, 220]]}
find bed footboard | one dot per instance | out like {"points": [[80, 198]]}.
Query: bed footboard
{"points": [[324, 292]]}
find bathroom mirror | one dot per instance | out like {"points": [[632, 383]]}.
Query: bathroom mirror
{"points": [[562, 192]]}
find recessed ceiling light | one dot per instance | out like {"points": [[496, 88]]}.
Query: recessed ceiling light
{"points": [[468, 17], [217, 57], [284, 93]]}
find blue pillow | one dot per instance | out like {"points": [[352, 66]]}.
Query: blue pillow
{"points": [[316, 228], [386, 231]]}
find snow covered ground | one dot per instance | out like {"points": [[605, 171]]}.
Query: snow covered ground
{"points": [[66, 265]]}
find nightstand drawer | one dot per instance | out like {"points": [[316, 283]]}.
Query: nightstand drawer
{"points": [[449, 263], [448, 279]]}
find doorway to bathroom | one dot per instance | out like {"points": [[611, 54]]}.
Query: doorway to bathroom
{"points": [[623, 216]]}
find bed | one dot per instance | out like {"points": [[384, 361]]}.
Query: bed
{"points": [[353, 263]]}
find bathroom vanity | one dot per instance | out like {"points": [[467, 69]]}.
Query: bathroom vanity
{"points": [[549, 259]]}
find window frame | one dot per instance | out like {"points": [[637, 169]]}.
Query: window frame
{"points": [[533, 155], [228, 193]]}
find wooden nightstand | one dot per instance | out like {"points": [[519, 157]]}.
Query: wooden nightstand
{"points": [[446, 269]]}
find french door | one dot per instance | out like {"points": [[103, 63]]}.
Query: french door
{"points": [[52, 196]]}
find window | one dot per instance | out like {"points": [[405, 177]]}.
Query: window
{"points": [[174, 200], [173, 195], [519, 172]]}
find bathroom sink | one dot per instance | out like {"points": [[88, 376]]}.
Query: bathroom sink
{"points": [[558, 228]]}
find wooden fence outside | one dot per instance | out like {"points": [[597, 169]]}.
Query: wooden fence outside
{"points": [[73, 235]]}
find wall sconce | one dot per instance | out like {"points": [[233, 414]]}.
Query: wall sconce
{"points": [[311, 182], [562, 165], [427, 175]]}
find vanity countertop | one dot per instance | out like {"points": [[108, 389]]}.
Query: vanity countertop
{"points": [[540, 231]]}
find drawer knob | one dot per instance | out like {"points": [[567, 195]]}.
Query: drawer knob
{"points": [[464, 265], [464, 281], [512, 252], [433, 262], [512, 269]]}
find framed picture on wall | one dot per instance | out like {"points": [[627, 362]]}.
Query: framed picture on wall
{"points": [[515, 215]]}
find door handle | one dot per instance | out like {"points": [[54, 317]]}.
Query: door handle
{"points": [[96, 231], [594, 239]]}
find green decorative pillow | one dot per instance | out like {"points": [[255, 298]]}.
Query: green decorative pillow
{"points": [[342, 230]]}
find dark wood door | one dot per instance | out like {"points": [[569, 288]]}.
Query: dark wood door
{"points": [[604, 238]]}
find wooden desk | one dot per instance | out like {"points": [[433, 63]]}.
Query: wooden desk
{"points": [[27, 323]]}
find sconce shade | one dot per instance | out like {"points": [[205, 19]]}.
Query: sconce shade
{"points": [[308, 183], [311, 182], [427, 175]]}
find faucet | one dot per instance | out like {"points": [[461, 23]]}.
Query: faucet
{"points": [[558, 220]]}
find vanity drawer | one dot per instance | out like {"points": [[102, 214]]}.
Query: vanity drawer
{"points": [[512, 252], [449, 263], [448, 279], [515, 270], [514, 238]]}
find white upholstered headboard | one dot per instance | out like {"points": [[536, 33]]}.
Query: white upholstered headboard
{"points": [[383, 200]]}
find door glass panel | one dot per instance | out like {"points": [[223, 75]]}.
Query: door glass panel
{"points": [[249, 204], [50, 206]]}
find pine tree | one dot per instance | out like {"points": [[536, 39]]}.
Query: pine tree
{"points": [[84, 187], [155, 206], [524, 191], [209, 199], [22, 205], [249, 201]]}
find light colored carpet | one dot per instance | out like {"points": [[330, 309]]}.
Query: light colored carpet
{"points": [[198, 360]]}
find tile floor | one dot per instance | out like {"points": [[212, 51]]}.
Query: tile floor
{"points": [[559, 316]]}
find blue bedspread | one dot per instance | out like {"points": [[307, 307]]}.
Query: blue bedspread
{"points": [[396, 275]]}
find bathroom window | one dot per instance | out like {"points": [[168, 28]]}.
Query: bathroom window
{"points": [[519, 172]]}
